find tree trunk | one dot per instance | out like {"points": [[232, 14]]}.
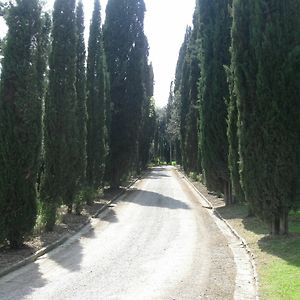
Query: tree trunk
{"points": [[15, 240], [250, 212], [49, 215], [170, 153], [70, 207], [227, 193], [274, 225], [283, 221]]}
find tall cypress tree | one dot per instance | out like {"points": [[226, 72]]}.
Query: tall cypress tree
{"points": [[20, 121], [60, 178], [96, 102], [81, 109], [189, 112], [233, 142], [148, 120], [126, 47], [215, 24], [182, 85], [267, 95]]}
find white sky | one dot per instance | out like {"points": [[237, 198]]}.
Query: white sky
{"points": [[165, 26]]}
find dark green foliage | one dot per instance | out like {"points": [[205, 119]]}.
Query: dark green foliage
{"points": [[43, 48], [161, 143], [182, 88], [214, 35], [148, 120], [2, 45], [233, 143], [181, 91], [60, 178], [20, 120], [126, 50], [96, 103], [266, 61], [81, 110], [173, 125], [187, 85]]}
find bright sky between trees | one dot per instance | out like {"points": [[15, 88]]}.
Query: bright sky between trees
{"points": [[165, 26]]}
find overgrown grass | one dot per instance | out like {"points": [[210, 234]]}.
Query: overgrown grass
{"points": [[277, 258]]}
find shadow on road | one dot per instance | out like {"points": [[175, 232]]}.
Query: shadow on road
{"points": [[156, 175], [28, 284], [146, 198], [71, 260], [110, 216]]}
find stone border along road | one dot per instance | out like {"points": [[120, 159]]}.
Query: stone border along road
{"points": [[66, 237], [246, 282]]}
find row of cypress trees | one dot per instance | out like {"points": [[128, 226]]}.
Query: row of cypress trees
{"points": [[238, 84], [66, 122], [133, 111]]}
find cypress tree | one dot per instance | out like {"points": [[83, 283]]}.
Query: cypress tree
{"points": [[81, 110], [170, 136], [148, 120], [214, 34], [182, 85], [126, 47], [186, 87], [189, 100], [268, 105], [20, 121], [60, 177], [96, 103], [233, 143]]}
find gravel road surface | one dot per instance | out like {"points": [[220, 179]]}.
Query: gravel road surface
{"points": [[155, 242]]}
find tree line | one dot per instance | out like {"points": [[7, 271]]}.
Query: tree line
{"points": [[71, 120], [236, 100]]}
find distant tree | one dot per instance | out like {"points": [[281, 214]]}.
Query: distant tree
{"points": [[148, 120], [96, 102], [161, 143], [182, 87], [173, 124], [189, 110], [60, 178], [266, 64], [20, 120], [126, 47], [214, 34]]}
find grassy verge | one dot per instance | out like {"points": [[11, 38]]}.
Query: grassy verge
{"points": [[277, 259]]}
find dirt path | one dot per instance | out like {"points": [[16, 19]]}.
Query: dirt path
{"points": [[157, 242]]}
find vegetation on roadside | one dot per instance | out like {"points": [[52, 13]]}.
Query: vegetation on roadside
{"points": [[237, 79], [71, 122]]}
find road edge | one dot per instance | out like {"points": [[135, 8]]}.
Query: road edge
{"points": [[32, 258], [233, 231]]}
